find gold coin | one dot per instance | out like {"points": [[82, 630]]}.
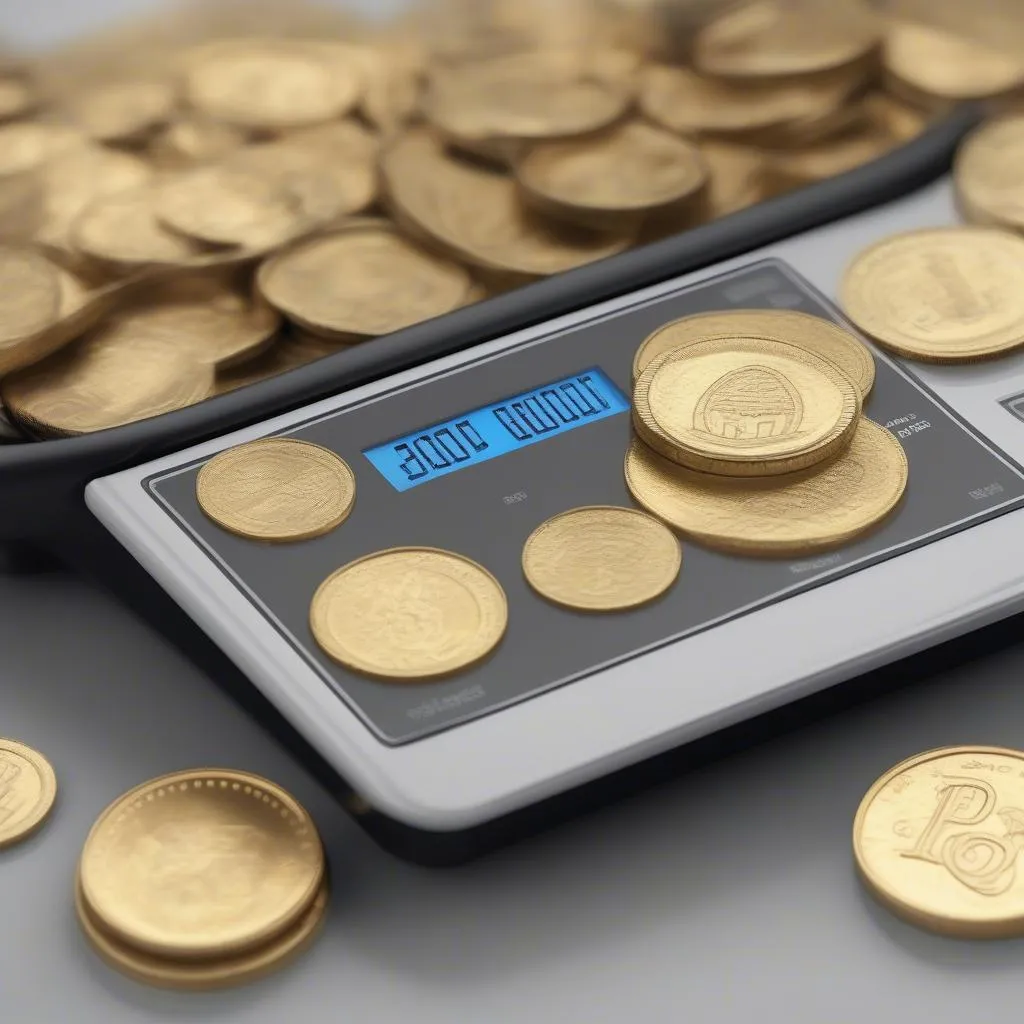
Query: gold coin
{"points": [[601, 559], [941, 295], [194, 140], [523, 97], [409, 614], [201, 864], [17, 96], [277, 489], [73, 180], [29, 296], [938, 837], [27, 145], [205, 974], [269, 83], [201, 317], [279, 358], [108, 378], [123, 111], [618, 177], [989, 173], [813, 510], [811, 333], [122, 231], [362, 282], [948, 66], [737, 176], [28, 789], [771, 38], [745, 406], [475, 213], [804, 165], [899, 119]]}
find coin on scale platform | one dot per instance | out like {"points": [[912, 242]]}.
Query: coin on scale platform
{"points": [[813, 333], [277, 489], [944, 295], [28, 789], [601, 559], [937, 839], [989, 173], [745, 406], [201, 879], [799, 513], [409, 614]]}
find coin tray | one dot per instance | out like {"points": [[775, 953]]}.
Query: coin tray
{"points": [[569, 698], [43, 483]]}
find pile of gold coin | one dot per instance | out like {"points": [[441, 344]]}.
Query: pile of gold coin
{"points": [[199, 204], [202, 879], [750, 436]]}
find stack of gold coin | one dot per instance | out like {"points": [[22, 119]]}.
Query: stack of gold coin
{"points": [[750, 436], [359, 179], [202, 879]]}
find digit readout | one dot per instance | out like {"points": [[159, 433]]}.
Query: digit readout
{"points": [[495, 430]]}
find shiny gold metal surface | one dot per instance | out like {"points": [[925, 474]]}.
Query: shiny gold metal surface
{"points": [[409, 614], [629, 172], [361, 282], [106, 379], [935, 64], [201, 864], [28, 789], [989, 173], [277, 489], [745, 406], [29, 296], [937, 839], [269, 83], [772, 38], [475, 213], [601, 559], [812, 333], [201, 975], [940, 295], [813, 510]]}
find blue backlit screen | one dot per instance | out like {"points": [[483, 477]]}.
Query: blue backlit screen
{"points": [[495, 430]]}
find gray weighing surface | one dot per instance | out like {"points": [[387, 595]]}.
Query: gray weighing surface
{"points": [[727, 896]]}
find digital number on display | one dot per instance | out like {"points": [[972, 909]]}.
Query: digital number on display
{"points": [[497, 429]]}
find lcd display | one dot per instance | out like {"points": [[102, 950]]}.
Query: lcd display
{"points": [[497, 429]]}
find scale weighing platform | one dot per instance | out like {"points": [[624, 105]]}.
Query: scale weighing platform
{"points": [[472, 452]]}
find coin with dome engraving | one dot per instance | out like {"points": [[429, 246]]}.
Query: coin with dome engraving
{"points": [[942, 295], [601, 559], [277, 489], [409, 614], [745, 406], [813, 510], [817, 335], [937, 839]]}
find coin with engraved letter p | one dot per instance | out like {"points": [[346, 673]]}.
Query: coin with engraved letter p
{"points": [[938, 839]]}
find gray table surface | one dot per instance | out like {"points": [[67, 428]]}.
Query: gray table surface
{"points": [[728, 895]]}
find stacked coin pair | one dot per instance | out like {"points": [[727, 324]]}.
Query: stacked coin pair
{"points": [[202, 879], [750, 436], [174, 233]]}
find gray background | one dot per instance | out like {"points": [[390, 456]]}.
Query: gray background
{"points": [[727, 896]]}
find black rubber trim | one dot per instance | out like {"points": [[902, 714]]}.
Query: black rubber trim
{"points": [[42, 483]]}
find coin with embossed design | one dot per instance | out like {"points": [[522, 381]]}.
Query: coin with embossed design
{"points": [[799, 513], [201, 864], [813, 333], [745, 406], [601, 559], [941, 295], [938, 838], [277, 489], [28, 789], [409, 614]]}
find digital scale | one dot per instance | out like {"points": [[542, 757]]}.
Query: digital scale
{"points": [[471, 452]]}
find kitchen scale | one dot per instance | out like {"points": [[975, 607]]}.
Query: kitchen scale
{"points": [[471, 452]]}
